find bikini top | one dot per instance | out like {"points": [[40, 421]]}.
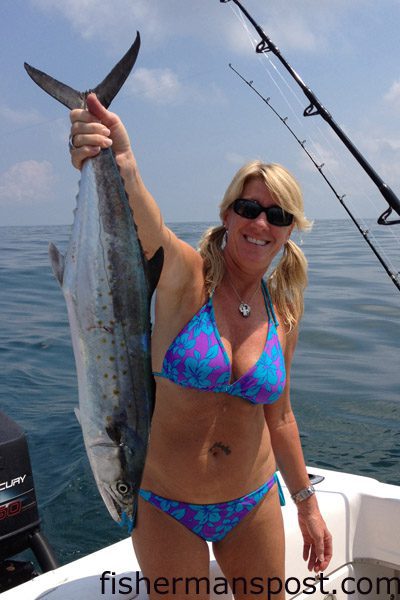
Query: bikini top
{"points": [[197, 359]]}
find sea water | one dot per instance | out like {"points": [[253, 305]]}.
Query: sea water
{"points": [[345, 376]]}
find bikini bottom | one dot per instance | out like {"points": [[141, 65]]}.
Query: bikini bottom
{"points": [[212, 521]]}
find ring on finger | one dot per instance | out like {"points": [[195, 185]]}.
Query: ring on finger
{"points": [[71, 144]]}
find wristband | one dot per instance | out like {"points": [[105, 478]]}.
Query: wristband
{"points": [[303, 494]]}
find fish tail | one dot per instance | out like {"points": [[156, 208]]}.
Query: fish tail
{"points": [[105, 91]]}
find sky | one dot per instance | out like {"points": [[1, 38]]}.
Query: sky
{"points": [[191, 120]]}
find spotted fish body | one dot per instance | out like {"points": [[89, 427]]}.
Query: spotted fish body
{"points": [[107, 283]]}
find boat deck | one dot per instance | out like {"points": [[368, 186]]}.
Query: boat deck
{"points": [[363, 516]]}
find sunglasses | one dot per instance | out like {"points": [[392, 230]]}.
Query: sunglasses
{"points": [[251, 209]]}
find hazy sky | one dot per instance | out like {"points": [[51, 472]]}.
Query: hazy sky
{"points": [[191, 120]]}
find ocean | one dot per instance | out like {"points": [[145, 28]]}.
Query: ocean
{"points": [[345, 380]]}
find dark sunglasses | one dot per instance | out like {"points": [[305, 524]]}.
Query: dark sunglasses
{"points": [[251, 209]]}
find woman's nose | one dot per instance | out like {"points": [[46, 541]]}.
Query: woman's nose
{"points": [[262, 220]]}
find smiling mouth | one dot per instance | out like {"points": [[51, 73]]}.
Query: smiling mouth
{"points": [[255, 241]]}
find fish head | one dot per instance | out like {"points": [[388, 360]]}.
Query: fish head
{"points": [[117, 467], [120, 499]]}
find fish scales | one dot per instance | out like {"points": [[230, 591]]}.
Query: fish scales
{"points": [[103, 284], [107, 283]]}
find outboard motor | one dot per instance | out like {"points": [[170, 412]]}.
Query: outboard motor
{"points": [[19, 517]]}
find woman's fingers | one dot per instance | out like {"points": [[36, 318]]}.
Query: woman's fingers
{"points": [[88, 136], [95, 128], [98, 111], [90, 139], [86, 146], [82, 115], [89, 127], [79, 155]]}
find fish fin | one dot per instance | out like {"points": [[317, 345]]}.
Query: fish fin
{"points": [[154, 268], [57, 263], [110, 86], [63, 93], [78, 415], [105, 91]]}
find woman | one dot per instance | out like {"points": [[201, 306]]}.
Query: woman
{"points": [[223, 343]]}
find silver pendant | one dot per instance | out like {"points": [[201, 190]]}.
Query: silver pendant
{"points": [[244, 309]]}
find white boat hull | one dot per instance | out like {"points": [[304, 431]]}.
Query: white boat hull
{"points": [[362, 514]]}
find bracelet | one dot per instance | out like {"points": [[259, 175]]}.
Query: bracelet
{"points": [[303, 494]]}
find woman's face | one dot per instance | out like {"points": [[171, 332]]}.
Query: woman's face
{"points": [[253, 243]]}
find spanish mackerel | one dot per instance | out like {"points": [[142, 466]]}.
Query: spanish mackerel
{"points": [[107, 283]]}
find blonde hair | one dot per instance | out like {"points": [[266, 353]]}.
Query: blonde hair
{"points": [[288, 280]]}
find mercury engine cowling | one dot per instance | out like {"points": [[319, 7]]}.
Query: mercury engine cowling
{"points": [[19, 517]]}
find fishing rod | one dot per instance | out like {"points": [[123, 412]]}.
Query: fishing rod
{"points": [[364, 232], [316, 108]]}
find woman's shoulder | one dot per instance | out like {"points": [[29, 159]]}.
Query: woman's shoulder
{"points": [[181, 286]]}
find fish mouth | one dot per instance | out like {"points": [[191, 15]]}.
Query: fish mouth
{"points": [[113, 506], [113, 484], [122, 515]]}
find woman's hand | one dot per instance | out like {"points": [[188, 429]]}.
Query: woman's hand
{"points": [[317, 549], [97, 128]]}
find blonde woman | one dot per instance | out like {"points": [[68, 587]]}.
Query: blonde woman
{"points": [[223, 343]]}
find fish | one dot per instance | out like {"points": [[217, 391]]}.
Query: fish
{"points": [[108, 283]]}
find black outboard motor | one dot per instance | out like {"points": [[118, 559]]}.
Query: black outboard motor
{"points": [[19, 517]]}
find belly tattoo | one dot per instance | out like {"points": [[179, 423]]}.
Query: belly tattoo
{"points": [[215, 449]]}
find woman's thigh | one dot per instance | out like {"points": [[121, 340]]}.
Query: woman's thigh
{"points": [[170, 556], [252, 555]]}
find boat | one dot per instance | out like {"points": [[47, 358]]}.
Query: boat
{"points": [[362, 513]]}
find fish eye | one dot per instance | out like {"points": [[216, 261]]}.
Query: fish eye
{"points": [[122, 488]]}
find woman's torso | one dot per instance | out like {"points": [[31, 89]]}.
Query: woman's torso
{"points": [[208, 446]]}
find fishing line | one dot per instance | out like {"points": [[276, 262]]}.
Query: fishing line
{"points": [[321, 161], [365, 228], [265, 60], [315, 107], [265, 48], [365, 231], [346, 172], [318, 148]]}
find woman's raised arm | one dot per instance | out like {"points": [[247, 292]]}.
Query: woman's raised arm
{"points": [[97, 128]]}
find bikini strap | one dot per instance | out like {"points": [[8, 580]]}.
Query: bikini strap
{"points": [[268, 303], [282, 500]]}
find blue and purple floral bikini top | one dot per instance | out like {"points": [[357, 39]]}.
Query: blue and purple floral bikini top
{"points": [[197, 359]]}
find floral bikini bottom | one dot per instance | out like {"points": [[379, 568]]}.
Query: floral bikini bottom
{"points": [[212, 521]]}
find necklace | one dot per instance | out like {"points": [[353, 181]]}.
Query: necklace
{"points": [[244, 307]]}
